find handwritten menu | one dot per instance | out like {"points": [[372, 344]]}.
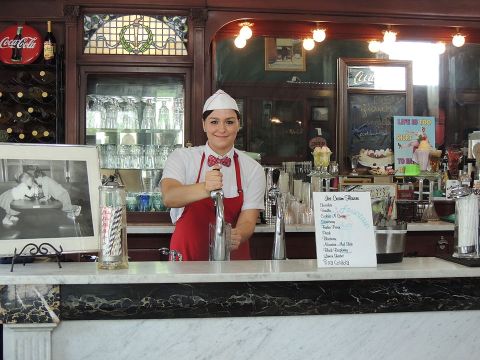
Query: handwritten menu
{"points": [[344, 230]]}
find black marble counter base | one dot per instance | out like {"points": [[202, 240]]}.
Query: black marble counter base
{"points": [[203, 300], [29, 303]]}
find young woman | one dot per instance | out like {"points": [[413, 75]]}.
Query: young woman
{"points": [[190, 174]]}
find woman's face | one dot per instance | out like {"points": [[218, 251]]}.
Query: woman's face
{"points": [[221, 127]]}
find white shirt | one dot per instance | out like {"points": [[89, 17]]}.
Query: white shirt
{"points": [[183, 165]]}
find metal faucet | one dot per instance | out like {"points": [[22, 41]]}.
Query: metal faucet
{"points": [[219, 251], [275, 196]]}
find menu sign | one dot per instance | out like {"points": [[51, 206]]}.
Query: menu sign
{"points": [[344, 230]]}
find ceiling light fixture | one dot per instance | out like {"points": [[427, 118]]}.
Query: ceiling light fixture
{"points": [[440, 47], [389, 36], [308, 44], [458, 40], [319, 35], [240, 42], [246, 30], [374, 46]]}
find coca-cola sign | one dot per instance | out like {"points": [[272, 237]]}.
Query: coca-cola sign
{"points": [[20, 44]]}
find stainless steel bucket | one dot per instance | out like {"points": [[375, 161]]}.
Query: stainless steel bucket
{"points": [[390, 242]]}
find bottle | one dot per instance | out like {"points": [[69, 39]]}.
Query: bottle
{"points": [[41, 134], [23, 78], [464, 177], [40, 114], [49, 46], [22, 116], [40, 95], [17, 50], [44, 77]]}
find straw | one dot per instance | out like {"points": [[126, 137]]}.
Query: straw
{"points": [[467, 217]]}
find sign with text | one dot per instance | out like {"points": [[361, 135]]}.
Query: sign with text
{"points": [[344, 232], [20, 44], [377, 77], [408, 133]]}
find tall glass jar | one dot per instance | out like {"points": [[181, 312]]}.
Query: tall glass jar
{"points": [[466, 223], [112, 252]]}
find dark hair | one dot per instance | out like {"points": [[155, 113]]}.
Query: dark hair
{"points": [[38, 173], [208, 112]]}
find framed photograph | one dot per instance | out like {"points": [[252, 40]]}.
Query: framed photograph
{"points": [[284, 54], [49, 193], [319, 113]]}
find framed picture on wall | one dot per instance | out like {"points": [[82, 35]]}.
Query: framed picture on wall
{"points": [[49, 194], [319, 113], [284, 54]]}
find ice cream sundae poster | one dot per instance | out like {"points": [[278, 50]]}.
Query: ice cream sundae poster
{"points": [[410, 132]]}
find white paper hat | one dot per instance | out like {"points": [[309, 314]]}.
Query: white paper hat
{"points": [[220, 101]]}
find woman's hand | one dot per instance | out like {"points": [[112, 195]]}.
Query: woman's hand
{"points": [[235, 239], [213, 179]]}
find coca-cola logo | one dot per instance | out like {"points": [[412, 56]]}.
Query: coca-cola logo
{"points": [[20, 44], [24, 43]]}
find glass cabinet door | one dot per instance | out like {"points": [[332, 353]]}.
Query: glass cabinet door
{"points": [[136, 121]]}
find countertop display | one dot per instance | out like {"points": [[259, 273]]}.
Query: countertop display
{"points": [[231, 272], [168, 229]]}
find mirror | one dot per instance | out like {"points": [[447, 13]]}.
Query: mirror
{"points": [[446, 86]]}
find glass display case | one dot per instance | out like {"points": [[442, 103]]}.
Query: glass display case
{"points": [[136, 121]]}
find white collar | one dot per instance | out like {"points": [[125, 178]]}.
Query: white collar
{"points": [[209, 151]]}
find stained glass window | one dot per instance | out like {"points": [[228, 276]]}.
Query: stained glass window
{"points": [[135, 34]]}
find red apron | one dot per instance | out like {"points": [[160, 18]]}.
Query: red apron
{"points": [[191, 234]]}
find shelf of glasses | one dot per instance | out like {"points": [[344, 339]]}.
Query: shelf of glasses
{"points": [[94, 131]]}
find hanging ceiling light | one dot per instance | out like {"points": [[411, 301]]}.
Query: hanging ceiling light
{"points": [[458, 39], [374, 46], [246, 30], [440, 46], [389, 36], [319, 35], [308, 44], [240, 42]]}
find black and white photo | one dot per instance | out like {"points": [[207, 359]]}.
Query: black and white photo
{"points": [[48, 194]]}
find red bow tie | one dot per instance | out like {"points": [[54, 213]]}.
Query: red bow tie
{"points": [[213, 160]]}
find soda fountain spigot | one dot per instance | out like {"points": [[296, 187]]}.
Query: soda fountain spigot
{"points": [[219, 251], [275, 196]]}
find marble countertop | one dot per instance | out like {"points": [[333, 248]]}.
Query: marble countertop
{"points": [[168, 229], [234, 271]]}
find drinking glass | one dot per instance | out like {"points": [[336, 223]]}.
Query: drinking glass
{"points": [[454, 155], [131, 201], [149, 157], [435, 157], [148, 119], [178, 107], [130, 117], [143, 202], [157, 202], [354, 164], [112, 107]]}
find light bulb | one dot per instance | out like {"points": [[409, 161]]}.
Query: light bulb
{"points": [[240, 42], [374, 46], [440, 46], [319, 35], [389, 37], [246, 32], [458, 40], [308, 44]]}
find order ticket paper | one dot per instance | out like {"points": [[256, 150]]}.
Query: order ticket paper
{"points": [[344, 231]]}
